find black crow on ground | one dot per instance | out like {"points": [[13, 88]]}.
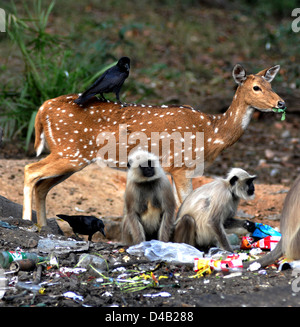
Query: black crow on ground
{"points": [[85, 225], [110, 81]]}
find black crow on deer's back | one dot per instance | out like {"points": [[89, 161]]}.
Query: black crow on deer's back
{"points": [[110, 81]]}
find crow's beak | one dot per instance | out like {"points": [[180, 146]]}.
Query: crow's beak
{"points": [[127, 67], [102, 231]]}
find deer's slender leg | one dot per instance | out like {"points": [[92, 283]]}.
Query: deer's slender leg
{"points": [[52, 167], [183, 184], [42, 187]]}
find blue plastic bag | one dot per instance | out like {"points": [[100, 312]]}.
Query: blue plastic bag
{"points": [[262, 230]]}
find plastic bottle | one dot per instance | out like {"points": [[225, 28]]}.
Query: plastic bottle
{"points": [[7, 257], [30, 287], [48, 245]]}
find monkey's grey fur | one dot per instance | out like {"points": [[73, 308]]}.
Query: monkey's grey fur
{"points": [[149, 208], [209, 210], [289, 245]]}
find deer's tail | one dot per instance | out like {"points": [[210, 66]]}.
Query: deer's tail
{"points": [[39, 134]]}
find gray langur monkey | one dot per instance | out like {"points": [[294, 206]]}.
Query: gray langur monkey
{"points": [[209, 210], [289, 244], [149, 208]]}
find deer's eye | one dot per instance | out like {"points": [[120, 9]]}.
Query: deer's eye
{"points": [[256, 88]]}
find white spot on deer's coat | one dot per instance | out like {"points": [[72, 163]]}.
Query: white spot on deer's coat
{"points": [[218, 141]]}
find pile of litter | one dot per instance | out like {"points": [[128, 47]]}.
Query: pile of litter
{"points": [[263, 237], [56, 271]]}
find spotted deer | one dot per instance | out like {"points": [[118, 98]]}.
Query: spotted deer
{"points": [[71, 131]]}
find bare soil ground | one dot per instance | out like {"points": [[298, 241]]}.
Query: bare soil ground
{"points": [[99, 192]]}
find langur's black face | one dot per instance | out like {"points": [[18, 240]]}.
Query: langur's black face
{"points": [[147, 169], [251, 187]]}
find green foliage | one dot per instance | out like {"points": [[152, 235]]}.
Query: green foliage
{"points": [[181, 51], [274, 7], [50, 69]]}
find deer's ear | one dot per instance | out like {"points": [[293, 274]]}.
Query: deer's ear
{"points": [[269, 73], [239, 74]]}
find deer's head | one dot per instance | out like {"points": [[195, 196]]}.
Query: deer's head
{"points": [[256, 88]]}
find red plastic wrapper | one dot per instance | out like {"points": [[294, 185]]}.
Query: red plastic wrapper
{"points": [[231, 263], [267, 243]]}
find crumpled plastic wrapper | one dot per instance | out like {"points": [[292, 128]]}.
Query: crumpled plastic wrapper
{"points": [[170, 252]]}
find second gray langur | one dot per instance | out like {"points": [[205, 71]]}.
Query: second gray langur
{"points": [[289, 245], [209, 210], [149, 208]]}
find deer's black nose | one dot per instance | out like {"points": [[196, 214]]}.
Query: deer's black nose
{"points": [[281, 104]]}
